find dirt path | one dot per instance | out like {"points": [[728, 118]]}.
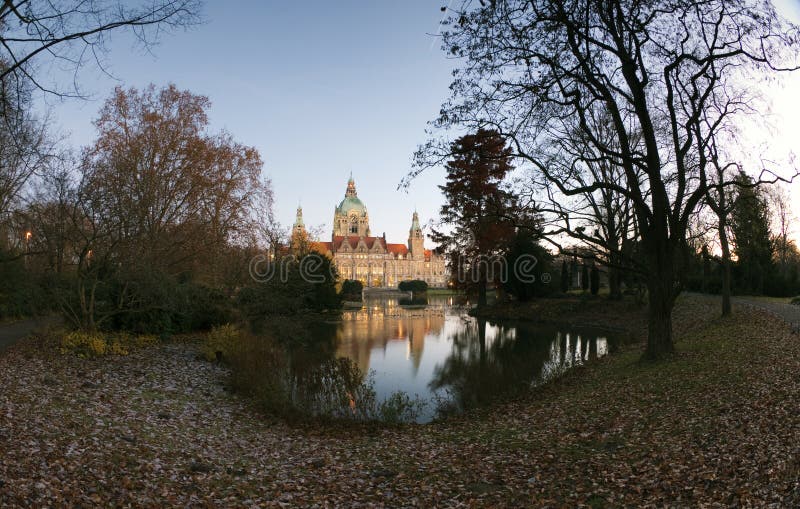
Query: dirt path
{"points": [[787, 312], [13, 332]]}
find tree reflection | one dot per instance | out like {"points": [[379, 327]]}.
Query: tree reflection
{"points": [[490, 361]]}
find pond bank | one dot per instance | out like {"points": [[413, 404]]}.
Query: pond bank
{"points": [[598, 312], [159, 428]]}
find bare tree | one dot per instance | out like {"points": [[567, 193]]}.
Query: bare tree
{"points": [[782, 219], [601, 219], [25, 145], [73, 33], [533, 69]]}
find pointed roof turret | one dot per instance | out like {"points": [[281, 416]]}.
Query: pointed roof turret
{"points": [[415, 223], [351, 187], [298, 219]]}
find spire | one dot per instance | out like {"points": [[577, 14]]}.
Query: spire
{"points": [[415, 223], [298, 220], [416, 238], [351, 187]]}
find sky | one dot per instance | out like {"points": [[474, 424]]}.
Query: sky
{"points": [[323, 89], [320, 88]]}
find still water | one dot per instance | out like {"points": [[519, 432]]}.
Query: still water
{"points": [[452, 361]]}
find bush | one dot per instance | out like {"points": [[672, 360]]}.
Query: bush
{"points": [[97, 344], [351, 290], [291, 295], [529, 269], [166, 306], [413, 285], [22, 293], [796, 301], [84, 344], [221, 342]]}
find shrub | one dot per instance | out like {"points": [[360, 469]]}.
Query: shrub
{"points": [[351, 289], [413, 285], [529, 269], [23, 293], [221, 342], [165, 305], [84, 344], [296, 293], [796, 301], [97, 344]]}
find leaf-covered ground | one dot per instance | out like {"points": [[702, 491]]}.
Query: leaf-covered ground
{"points": [[717, 425]]}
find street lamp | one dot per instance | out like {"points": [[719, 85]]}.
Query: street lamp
{"points": [[28, 236]]}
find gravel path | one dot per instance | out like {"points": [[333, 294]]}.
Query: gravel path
{"points": [[787, 312]]}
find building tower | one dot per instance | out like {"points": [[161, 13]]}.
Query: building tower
{"points": [[299, 227], [416, 240], [350, 217]]}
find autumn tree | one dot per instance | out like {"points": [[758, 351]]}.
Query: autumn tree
{"points": [[535, 70], [477, 208], [158, 194]]}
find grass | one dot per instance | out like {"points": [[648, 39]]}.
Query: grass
{"points": [[442, 291], [713, 425], [764, 298]]}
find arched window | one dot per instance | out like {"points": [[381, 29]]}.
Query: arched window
{"points": [[354, 226]]}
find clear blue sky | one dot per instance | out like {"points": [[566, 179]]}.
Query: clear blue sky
{"points": [[320, 88], [323, 88]]}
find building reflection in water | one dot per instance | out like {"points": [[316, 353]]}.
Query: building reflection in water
{"points": [[440, 352], [383, 321]]}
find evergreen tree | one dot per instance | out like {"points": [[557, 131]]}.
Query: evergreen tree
{"points": [[527, 260], [477, 207], [751, 236]]}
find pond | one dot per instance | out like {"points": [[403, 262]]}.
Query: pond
{"points": [[451, 361]]}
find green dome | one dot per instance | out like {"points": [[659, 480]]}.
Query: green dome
{"points": [[351, 203]]}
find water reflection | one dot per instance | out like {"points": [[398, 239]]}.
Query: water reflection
{"points": [[441, 354]]}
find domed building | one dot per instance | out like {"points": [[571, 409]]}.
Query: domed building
{"points": [[370, 259]]}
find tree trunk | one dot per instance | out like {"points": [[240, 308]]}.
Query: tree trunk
{"points": [[482, 292], [726, 270], [659, 324], [614, 276], [661, 299]]}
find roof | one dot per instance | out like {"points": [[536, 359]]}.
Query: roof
{"points": [[397, 249], [353, 240], [322, 247], [351, 203]]}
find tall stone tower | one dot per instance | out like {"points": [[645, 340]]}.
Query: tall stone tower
{"points": [[416, 240], [350, 217]]}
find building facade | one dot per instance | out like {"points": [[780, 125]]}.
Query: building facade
{"points": [[370, 259]]}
